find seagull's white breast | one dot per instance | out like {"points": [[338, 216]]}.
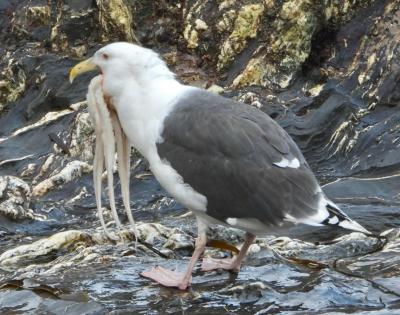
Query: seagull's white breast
{"points": [[142, 113]]}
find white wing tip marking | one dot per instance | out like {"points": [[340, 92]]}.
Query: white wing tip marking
{"points": [[231, 221], [295, 163], [333, 220], [290, 218], [314, 220]]}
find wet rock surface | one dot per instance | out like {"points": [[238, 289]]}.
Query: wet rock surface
{"points": [[328, 72]]}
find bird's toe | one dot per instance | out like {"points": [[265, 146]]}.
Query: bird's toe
{"points": [[167, 278]]}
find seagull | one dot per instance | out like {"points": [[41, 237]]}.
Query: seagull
{"points": [[228, 162]]}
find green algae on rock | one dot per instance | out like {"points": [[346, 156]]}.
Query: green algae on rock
{"points": [[245, 27], [12, 84], [116, 20], [264, 42]]}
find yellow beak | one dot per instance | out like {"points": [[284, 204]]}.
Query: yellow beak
{"points": [[82, 67]]}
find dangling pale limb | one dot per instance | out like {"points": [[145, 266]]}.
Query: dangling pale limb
{"points": [[123, 151], [97, 171], [108, 140], [232, 264], [127, 162], [177, 279], [98, 163]]}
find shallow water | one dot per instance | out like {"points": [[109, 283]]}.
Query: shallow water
{"points": [[360, 274], [264, 285]]}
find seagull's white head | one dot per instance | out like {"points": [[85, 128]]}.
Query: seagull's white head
{"points": [[121, 61]]}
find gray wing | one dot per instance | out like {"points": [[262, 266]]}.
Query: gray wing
{"points": [[231, 153]]}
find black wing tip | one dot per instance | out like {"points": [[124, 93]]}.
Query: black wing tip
{"points": [[338, 218]]}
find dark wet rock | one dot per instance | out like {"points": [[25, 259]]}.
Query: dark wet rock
{"points": [[29, 302], [267, 284], [377, 264], [368, 190], [354, 244]]}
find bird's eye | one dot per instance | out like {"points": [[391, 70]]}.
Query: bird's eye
{"points": [[105, 56]]}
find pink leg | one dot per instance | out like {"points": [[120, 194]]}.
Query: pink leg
{"points": [[170, 278], [232, 264]]}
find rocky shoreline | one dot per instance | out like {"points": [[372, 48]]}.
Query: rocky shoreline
{"points": [[328, 72]]}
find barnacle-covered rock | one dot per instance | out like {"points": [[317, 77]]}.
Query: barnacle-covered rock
{"points": [[67, 240], [15, 195], [82, 138], [71, 171]]}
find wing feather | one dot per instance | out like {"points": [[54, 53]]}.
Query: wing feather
{"points": [[227, 151]]}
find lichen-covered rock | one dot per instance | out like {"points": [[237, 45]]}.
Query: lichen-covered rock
{"points": [[30, 16], [179, 240], [67, 240], [84, 247], [116, 20], [28, 170], [285, 30], [15, 195], [72, 27], [12, 83], [152, 232], [349, 245], [46, 119], [82, 138], [70, 172], [250, 98], [45, 168], [360, 71], [216, 89], [266, 279], [245, 27], [171, 238]]}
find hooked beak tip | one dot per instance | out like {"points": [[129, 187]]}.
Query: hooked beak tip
{"points": [[82, 67]]}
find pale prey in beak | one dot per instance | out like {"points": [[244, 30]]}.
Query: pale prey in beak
{"points": [[109, 137]]}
